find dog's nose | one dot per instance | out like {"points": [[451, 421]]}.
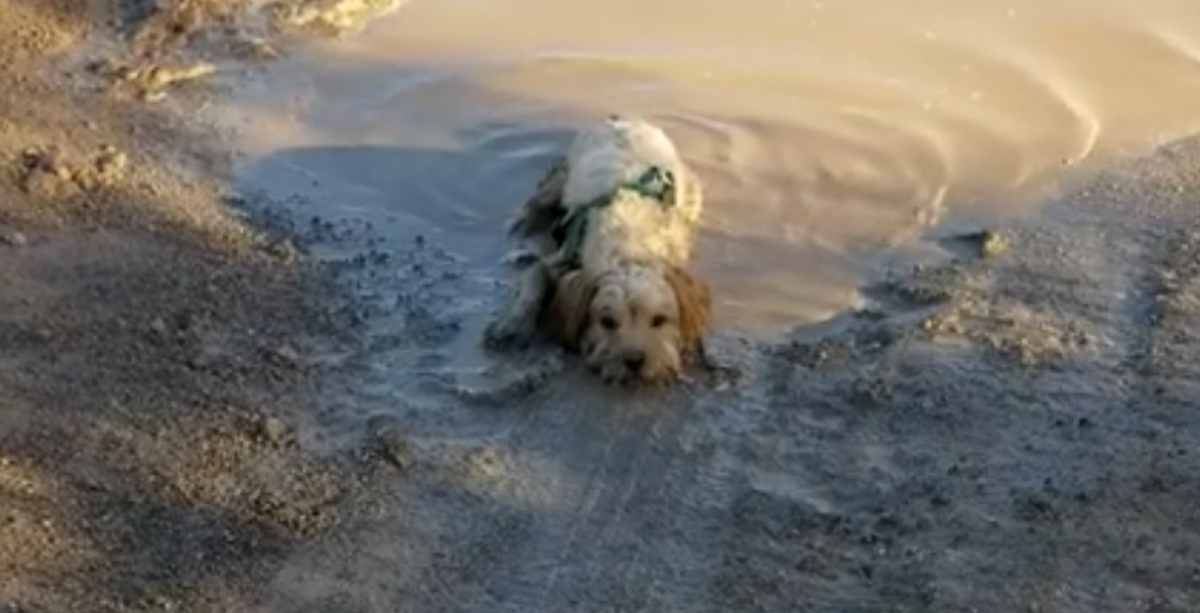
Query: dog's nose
{"points": [[635, 360]]}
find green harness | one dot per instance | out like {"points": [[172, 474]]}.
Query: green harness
{"points": [[655, 183]]}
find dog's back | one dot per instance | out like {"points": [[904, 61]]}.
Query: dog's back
{"points": [[612, 153], [606, 158]]}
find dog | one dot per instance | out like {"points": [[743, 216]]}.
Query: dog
{"points": [[607, 240]]}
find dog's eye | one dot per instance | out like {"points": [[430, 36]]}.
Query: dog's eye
{"points": [[658, 321], [608, 322]]}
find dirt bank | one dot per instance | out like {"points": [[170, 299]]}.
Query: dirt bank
{"points": [[154, 346]]}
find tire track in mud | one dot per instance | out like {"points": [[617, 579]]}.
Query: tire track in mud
{"points": [[1166, 317], [1140, 473], [633, 522], [823, 506], [1090, 265], [1156, 466]]}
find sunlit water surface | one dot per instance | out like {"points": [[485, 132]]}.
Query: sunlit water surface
{"points": [[828, 133]]}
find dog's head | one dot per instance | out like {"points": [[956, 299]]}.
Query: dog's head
{"points": [[632, 323]]}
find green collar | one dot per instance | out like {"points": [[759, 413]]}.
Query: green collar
{"points": [[655, 183]]}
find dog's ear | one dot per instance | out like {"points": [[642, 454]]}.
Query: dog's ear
{"points": [[695, 306], [571, 305]]}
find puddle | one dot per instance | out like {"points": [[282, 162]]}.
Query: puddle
{"points": [[826, 132], [831, 137]]}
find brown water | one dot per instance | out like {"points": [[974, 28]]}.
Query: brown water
{"points": [[827, 132]]}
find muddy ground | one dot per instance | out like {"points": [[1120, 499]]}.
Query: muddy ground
{"points": [[1012, 428]]}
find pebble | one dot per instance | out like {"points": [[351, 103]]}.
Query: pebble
{"points": [[256, 49], [288, 355], [160, 77], [388, 442], [203, 360], [275, 431], [12, 238], [285, 250], [991, 244], [111, 162], [158, 326]]}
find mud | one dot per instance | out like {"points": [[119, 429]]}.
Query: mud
{"points": [[998, 429]]}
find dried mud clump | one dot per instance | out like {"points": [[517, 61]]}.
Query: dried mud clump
{"points": [[151, 82], [45, 172], [981, 298]]}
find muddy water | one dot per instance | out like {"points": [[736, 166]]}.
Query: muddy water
{"points": [[826, 131], [832, 136]]}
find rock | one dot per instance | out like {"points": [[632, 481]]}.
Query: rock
{"points": [[103, 67], [13, 238], [870, 391], [275, 431], [159, 602], [388, 443], [484, 463], [149, 82], [256, 50], [987, 243], [287, 355], [1032, 508], [284, 250], [991, 244], [161, 77], [206, 357], [152, 95], [110, 164], [48, 161], [159, 326], [44, 173]]}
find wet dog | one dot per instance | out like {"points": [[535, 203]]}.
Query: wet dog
{"points": [[608, 239]]}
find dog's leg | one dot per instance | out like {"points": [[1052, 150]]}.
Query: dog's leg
{"points": [[517, 326], [535, 222]]}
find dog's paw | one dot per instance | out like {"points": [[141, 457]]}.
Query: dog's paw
{"points": [[507, 333]]}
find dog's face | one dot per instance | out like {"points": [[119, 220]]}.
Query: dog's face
{"points": [[637, 323]]}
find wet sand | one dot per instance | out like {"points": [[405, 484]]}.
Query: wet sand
{"points": [[244, 367]]}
